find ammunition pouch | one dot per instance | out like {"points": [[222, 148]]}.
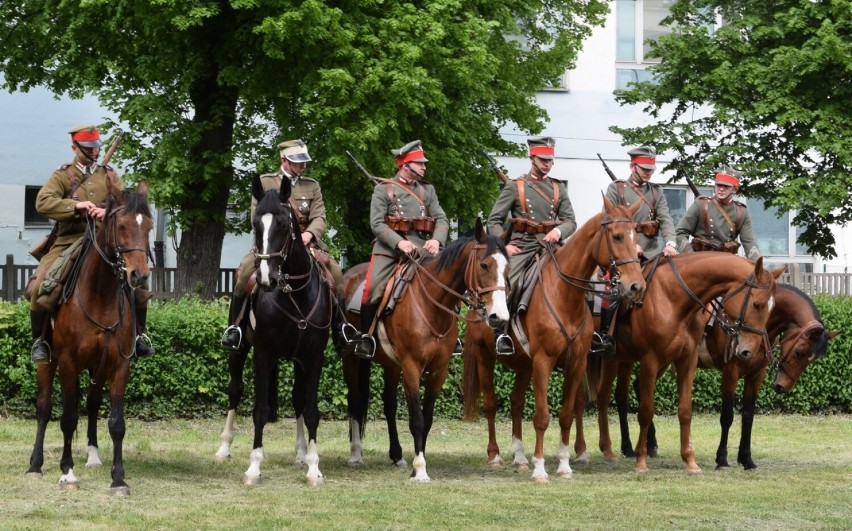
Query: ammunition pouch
{"points": [[43, 247], [526, 226], [418, 224], [649, 228], [700, 244]]}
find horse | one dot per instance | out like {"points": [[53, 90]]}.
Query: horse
{"points": [[292, 312], [664, 331], [95, 330], [795, 326], [558, 326], [417, 338]]}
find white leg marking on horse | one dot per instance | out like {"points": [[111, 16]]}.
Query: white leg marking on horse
{"points": [[419, 464], [312, 458], [539, 474], [301, 445], [224, 451], [255, 459], [93, 460], [564, 470], [356, 448], [498, 298], [266, 219], [517, 450], [69, 480], [582, 459], [496, 460]]}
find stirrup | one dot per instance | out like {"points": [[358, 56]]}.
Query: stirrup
{"points": [[349, 333], [146, 341], [364, 343], [508, 347], [458, 349], [603, 345], [227, 344], [40, 360]]}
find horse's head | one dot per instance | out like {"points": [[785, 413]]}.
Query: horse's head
{"points": [[275, 232], [615, 248], [751, 302], [125, 230]]}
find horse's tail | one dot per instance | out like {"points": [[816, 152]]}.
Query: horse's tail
{"points": [[470, 378], [364, 367]]}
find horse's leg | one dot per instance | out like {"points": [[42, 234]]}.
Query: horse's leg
{"points": [[117, 386], [300, 398], [416, 422], [573, 375], [726, 417], [435, 379], [236, 364], [608, 374], [653, 446], [750, 390], [517, 401], [68, 424], [391, 377], [487, 360], [273, 393], [685, 367], [44, 409], [356, 374], [262, 370], [310, 410], [622, 405], [582, 455], [647, 384], [93, 407], [541, 369]]}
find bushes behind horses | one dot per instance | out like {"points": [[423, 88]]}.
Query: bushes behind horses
{"points": [[188, 376]]}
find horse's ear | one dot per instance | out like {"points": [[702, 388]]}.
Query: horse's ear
{"points": [[113, 188], [778, 272], [285, 190], [142, 189], [634, 208], [479, 231], [758, 267], [608, 205], [831, 334], [256, 188]]}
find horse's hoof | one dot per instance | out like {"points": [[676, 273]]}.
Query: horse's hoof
{"points": [[652, 452], [542, 479], [316, 482], [94, 465], [34, 475], [582, 459], [251, 480], [643, 470], [723, 467], [522, 466], [695, 472], [356, 462], [64, 485], [120, 491], [610, 458], [420, 480], [400, 464], [221, 458], [495, 461], [565, 475]]}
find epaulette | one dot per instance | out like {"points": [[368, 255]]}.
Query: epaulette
{"points": [[62, 167], [740, 203], [304, 178], [269, 175]]}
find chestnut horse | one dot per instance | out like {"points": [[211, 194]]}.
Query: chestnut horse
{"points": [[665, 331], [795, 321], [558, 326], [415, 341], [95, 330], [292, 315]]}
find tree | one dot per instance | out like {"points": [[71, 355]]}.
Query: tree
{"points": [[209, 87], [768, 92]]}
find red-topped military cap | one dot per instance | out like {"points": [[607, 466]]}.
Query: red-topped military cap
{"points": [[644, 156], [86, 136], [728, 176], [411, 152], [543, 147]]}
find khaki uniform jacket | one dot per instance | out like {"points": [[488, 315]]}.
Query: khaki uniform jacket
{"points": [[653, 192], [306, 198], [692, 224], [537, 209], [403, 204], [55, 202]]}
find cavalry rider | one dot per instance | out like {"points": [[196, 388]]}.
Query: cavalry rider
{"points": [[539, 210], [406, 218], [306, 201], [651, 219], [716, 223], [73, 193]]}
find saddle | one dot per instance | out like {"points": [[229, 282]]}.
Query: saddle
{"points": [[60, 278], [323, 260]]}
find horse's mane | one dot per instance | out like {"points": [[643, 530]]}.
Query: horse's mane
{"points": [[452, 251], [822, 345], [270, 203], [133, 202]]}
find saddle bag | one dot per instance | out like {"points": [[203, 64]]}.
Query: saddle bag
{"points": [[43, 247], [649, 228], [700, 245]]}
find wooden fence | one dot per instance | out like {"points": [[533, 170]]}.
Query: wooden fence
{"points": [[13, 280]]}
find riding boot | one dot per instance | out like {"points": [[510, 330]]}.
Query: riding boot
{"points": [[458, 349], [144, 347], [344, 334], [366, 347], [503, 342], [233, 336], [41, 349], [603, 344]]}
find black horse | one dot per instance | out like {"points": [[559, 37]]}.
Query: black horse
{"points": [[292, 315]]}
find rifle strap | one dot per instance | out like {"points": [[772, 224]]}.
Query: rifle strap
{"points": [[389, 187], [75, 182], [651, 204], [734, 227], [522, 196]]}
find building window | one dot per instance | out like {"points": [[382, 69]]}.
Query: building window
{"points": [[771, 228], [637, 22], [31, 216]]}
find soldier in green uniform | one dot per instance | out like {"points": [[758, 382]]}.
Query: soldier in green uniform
{"points": [[406, 218], [306, 200], [73, 193], [651, 219], [538, 208], [716, 222]]}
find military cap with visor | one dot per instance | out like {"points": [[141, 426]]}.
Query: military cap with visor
{"points": [[86, 136], [294, 151], [411, 152], [727, 176], [543, 147], [644, 156]]}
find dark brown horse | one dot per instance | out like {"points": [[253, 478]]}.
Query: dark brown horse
{"points": [[416, 340], [664, 331], [795, 326], [292, 314], [95, 330], [558, 327]]}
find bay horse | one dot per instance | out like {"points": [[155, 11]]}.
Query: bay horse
{"points": [[558, 326], [664, 330], [291, 318], [415, 341], [795, 326], [95, 330]]}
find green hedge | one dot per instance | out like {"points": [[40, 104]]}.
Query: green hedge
{"points": [[188, 376]]}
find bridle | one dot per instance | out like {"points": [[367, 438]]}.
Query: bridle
{"points": [[777, 356]]}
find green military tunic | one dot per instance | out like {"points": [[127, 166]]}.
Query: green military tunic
{"points": [[692, 224], [539, 207], [653, 192], [396, 198]]}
